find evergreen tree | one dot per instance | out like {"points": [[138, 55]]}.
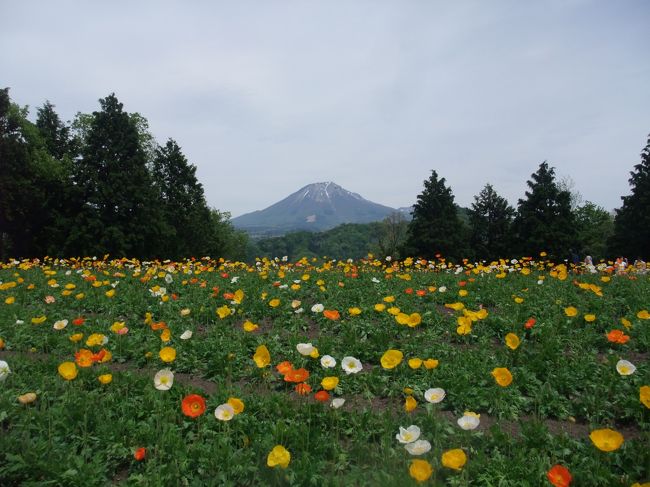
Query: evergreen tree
{"points": [[187, 220], [436, 227], [544, 219], [55, 133], [31, 183], [118, 209], [631, 236], [490, 220]]}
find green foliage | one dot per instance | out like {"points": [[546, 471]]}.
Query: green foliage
{"points": [[593, 226], [185, 214], [393, 235], [224, 239], [436, 227], [544, 221], [32, 184], [118, 210], [347, 241], [83, 432], [632, 222], [490, 221], [101, 185]]}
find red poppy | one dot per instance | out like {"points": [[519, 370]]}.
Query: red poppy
{"points": [[322, 396], [462, 283], [421, 292], [193, 405], [79, 321], [617, 336], [297, 375], [303, 389], [530, 323], [224, 275], [408, 290], [559, 476], [284, 367], [140, 454]]}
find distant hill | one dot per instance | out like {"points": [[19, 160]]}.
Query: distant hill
{"points": [[315, 207]]}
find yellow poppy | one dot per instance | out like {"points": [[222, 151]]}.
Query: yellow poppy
{"points": [[391, 359]]}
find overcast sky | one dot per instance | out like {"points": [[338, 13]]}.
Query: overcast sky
{"points": [[267, 96]]}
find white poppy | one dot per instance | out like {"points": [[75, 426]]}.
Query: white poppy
{"points": [[419, 447], [60, 325], [317, 308], [408, 435], [305, 349], [435, 395], [351, 365], [224, 412], [337, 402], [469, 420], [187, 334], [163, 380], [4, 370], [624, 367], [327, 361]]}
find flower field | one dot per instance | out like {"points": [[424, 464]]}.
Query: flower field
{"points": [[323, 373]]}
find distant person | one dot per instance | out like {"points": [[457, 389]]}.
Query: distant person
{"points": [[589, 264], [620, 265], [640, 266]]}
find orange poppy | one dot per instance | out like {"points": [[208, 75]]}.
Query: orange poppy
{"points": [[421, 292], [303, 389], [559, 476], [530, 323], [84, 358], [617, 336], [284, 367], [322, 396], [297, 375], [331, 314], [193, 405], [99, 356], [161, 325], [140, 454]]}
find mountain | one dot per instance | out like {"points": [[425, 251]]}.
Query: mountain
{"points": [[315, 207]]}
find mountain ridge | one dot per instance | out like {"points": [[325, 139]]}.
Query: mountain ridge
{"points": [[315, 207]]}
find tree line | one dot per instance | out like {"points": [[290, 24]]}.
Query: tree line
{"points": [[548, 219], [101, 184]]}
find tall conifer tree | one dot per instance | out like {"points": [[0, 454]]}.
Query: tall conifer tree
{"points": [[118, 206], [490, 220], [631, 236], [187, 217], [544, 219], [436, 227]]}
